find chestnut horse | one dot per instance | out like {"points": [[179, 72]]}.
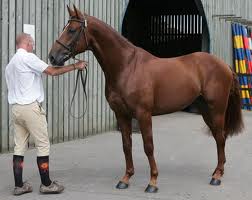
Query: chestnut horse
{"points": [[140, 85]]}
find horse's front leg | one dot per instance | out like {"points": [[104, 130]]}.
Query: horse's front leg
{"points": [[125, 127], [145, 123]]}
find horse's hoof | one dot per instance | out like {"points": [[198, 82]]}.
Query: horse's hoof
{"points": [[151, 189], [215, 181], [122, 185]]}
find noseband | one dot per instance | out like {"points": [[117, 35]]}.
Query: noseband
{"points": [[72, 46]]}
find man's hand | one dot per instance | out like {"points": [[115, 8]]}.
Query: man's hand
{"points": [[80, 65]]}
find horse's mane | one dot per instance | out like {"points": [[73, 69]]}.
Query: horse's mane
{"points": [[111, 29]]}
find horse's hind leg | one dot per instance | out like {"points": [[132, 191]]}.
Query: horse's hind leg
{"points": [[214, 116], [125, 127], [219, 136]]}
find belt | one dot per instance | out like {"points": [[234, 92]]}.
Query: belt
{"points": [[17, 104]]}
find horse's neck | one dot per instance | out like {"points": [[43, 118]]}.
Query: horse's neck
{"points": [[113, 52]]}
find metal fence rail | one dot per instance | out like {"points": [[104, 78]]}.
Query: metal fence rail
{"points": [[49, 17]]}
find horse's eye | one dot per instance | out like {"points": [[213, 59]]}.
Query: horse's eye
{"points": [[71, 30]]}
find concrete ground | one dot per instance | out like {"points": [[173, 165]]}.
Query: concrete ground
{"points": [[90, 168]]}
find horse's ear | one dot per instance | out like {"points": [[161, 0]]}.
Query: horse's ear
{"points": [[70, 11], [76, 11]]}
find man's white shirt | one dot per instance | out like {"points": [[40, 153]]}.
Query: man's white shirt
{"points": [[24, 78]]}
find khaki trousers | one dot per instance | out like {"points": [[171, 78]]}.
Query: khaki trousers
{"points": [[29, 120]]}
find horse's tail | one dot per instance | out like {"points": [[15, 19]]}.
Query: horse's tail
{"points": [[233, 119]]}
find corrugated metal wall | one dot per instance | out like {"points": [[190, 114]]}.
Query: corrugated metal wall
{"points": [[220, 26], [49, 17]]}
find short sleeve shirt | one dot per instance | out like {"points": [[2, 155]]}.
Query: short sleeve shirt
{"points": [[24, 78]]}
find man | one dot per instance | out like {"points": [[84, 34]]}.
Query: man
{"points": [[25, 94]]}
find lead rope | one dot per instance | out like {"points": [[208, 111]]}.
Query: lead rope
{"points": [[83, 81]]}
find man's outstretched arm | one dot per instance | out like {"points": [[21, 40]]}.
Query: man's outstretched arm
{"points": [[55, 71]]}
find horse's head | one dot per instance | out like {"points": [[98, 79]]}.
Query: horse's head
{"points": [[73, 39]]}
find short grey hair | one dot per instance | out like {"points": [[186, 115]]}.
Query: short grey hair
{"points": [[22, 37]]}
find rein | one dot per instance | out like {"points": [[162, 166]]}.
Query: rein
{"points": [[71, 54], [83, 82]]}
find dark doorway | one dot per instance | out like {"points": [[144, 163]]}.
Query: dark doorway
{"points": [[166, 28]]}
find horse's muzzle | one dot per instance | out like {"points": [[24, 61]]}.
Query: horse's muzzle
{"points": [[56, 61]]}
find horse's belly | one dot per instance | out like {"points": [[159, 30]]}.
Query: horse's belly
{"points": [[170, 99]]}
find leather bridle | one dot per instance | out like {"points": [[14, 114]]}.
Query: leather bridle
{"points": [[71, 48]]}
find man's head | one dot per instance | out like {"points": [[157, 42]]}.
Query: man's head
{"points": [[25, 41]]}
